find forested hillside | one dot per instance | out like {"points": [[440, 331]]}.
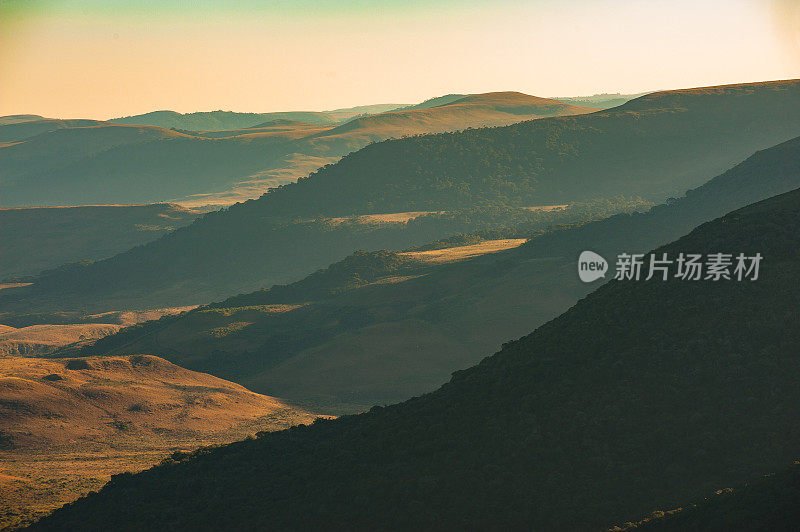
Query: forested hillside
{"points": [[602, 414]]}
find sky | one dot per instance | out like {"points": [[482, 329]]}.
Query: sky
{"points": [[108, 58]]}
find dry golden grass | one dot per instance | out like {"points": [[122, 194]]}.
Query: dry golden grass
{"points": [[439, 256], [3, 286], [67, 425], [127, 318], [42, 339], [547, 208]]}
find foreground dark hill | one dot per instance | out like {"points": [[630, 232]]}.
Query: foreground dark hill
{"points": [[643, 395], [35, 239], [660, 145], [381, 327]]}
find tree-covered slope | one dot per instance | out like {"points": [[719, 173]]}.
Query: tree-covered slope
{"points": [[643, 395]]}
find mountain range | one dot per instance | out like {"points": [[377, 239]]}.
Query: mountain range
{"points": [[655, 146], [136, 160]]}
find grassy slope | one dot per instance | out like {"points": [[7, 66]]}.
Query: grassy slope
{"points": [[656, 145], [354, 343], [645, 394], [35, 239], [66, 425]]}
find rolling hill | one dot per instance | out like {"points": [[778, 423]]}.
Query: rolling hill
{"points": [[643, 395], [220, 157], [655, 146], [227, 120], [603, 101], [36, 239], [478, 110], [771, 502], [67, 425], [380, 326]]}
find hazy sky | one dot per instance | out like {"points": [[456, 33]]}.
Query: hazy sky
{"points": [[105, 58]]}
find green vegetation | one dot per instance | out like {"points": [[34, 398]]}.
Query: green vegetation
{"points": [[643, 395]]}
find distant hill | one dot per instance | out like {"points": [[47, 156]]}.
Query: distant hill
{"points": [[479, 110], [221, 120], [66, 425], [643, 395], [433, 102], [36, 239], [17, 119], [603, 101], [379, 327], [655, 146], [216, 158]]}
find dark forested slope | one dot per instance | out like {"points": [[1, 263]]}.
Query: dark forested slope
{"points": [[643, 395]]}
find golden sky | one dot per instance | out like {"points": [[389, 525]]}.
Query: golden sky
{"points": [[100, 59]]}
